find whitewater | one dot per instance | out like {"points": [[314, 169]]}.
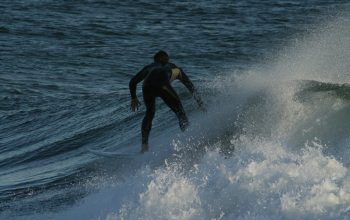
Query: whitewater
{"points": [[274, 144]]}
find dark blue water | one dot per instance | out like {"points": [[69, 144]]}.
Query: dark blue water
{"points": [[64, 73]]}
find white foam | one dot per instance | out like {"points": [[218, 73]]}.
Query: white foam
{"points": [[262, 179]]}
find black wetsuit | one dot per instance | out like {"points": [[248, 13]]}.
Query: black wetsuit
{"points": [[157, 78]]}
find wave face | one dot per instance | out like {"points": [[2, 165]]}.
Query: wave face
{"points": [[274, 143]]}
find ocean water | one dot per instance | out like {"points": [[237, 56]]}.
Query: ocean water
{"points": [[274, 143]]}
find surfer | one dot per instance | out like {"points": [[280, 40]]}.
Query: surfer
{"points": [[157, 77]]}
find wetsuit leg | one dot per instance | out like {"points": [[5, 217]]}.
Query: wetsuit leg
{"points": [[170, 97], [149, 99]]}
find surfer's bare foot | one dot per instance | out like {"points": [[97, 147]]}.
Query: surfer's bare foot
{"points": [[144, 148]]}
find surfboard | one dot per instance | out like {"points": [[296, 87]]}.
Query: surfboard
{"points": [[112, 153]]}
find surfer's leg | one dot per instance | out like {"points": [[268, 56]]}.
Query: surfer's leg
{"points": [[170, 97], [149, 99]]}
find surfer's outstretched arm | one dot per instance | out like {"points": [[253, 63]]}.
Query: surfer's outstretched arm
{"points": [[189, 85], [132, 87]]}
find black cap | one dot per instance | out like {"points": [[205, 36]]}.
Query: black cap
{"points": [[158, 56]]}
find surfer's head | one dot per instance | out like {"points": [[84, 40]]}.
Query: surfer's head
{"points": [[161, 57]]}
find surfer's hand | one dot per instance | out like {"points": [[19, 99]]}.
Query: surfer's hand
{"points": [[200, 103], [202, 108], [135, 104]]}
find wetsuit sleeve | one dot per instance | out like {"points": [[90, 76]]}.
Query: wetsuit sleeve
{"points": [[135, 80], [189, 85]]}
